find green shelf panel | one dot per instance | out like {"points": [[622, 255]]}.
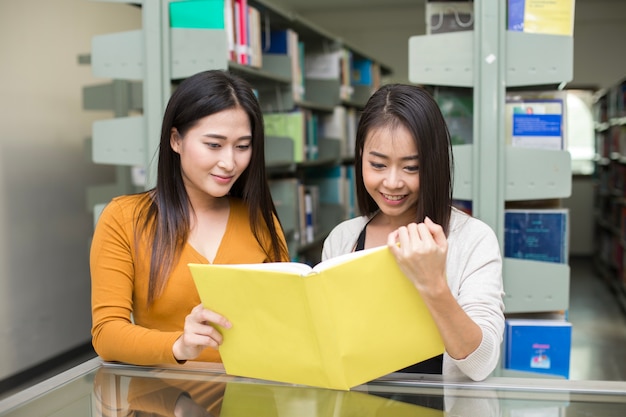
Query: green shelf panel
{"points": [[108, 97], [119, 141], [279, 150], [537, 174], [462, 172], [118, 55], [532, 59], [121, 55], [453, 67], [196, 50], [532, 286], [530, 174], [323, 93]]}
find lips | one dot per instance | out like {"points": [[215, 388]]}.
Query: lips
{"points": [[394, 197], [222, 179]]}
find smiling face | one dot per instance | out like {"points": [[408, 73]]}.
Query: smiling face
{"points": [[391, 172], [214, 153]]}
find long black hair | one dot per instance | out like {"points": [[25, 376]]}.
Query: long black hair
{"points": [[165, 218], [414, 108]]}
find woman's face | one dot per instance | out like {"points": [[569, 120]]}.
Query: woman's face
{"points": [[391, 171], [214, 153]]}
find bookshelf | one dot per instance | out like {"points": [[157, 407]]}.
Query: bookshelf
{"points": [[145, 64], [489, 59], [610, 188]]}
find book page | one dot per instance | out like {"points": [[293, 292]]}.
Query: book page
{"points": [[295, 268], [337, 260]]}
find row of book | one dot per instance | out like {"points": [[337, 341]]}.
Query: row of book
{"points": [[252, 36], [533, 119], [532, 16], [306, 127], [309, 207]]}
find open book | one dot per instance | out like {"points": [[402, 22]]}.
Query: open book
{"points": [[344, 322]]}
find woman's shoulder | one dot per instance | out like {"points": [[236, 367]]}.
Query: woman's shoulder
{"points": [[461, 222], [350, 226], [127, 205]]}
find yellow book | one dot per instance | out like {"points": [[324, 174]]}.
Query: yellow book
{"points": [[344, 322], [554, 17], [261, 400]]}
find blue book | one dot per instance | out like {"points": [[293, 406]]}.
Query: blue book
{"points": [[537, 235], [538, 345], [278, 42], [361, 72], [516, 15]]}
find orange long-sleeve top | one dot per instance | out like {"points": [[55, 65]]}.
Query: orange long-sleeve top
{"points": [[124, 327]]}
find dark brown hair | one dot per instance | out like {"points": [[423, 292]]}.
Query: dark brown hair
{"points": [[415, 109], [164, 221]]}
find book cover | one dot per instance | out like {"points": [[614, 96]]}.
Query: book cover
{"points": [[536, 234], [344, 322], [536, 122], [331, 182], [290, 125], [554, 17], [362, 72], [197, 14], [536, 345], [241, 22]]}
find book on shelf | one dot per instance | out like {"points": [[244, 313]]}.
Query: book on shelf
{"points": [[537, 234], [241, 32], [362, 72], [331, 182], [290, 125], [344, 322], [197, 14], [254, 37], [538, 345], [554, 17], [536, 120], [286, 42], [322, 65]]}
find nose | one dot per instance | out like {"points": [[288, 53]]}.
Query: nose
{"points": [[227, 160], [393, 179]]}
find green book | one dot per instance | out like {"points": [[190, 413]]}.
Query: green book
{"points": [[197, 14], [291, 125]]}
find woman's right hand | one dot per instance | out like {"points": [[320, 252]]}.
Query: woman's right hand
{"points": [[199, 333]]}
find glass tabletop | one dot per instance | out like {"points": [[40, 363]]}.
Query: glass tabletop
{"points": [[101, 389]]}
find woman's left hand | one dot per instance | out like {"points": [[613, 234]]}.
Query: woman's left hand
{"points": [[420, 250]]}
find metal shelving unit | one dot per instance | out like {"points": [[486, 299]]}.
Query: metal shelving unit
{"points": [[488, 172], [144, 65]]}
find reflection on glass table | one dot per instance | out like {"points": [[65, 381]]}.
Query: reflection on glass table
{"points": [[95, 389]]}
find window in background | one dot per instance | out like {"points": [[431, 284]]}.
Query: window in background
{"points": [[580, 130]]}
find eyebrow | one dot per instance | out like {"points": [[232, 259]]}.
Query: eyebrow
{"points": [[216, 136], [405, 158]]}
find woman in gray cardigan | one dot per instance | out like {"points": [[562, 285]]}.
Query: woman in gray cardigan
{"points": [[403, 174]]}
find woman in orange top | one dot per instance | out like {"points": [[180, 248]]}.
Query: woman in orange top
{"points": [[211, 203]]}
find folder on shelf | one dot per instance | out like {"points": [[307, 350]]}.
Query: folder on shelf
{"points": [[349, 320], [538, 345]]}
